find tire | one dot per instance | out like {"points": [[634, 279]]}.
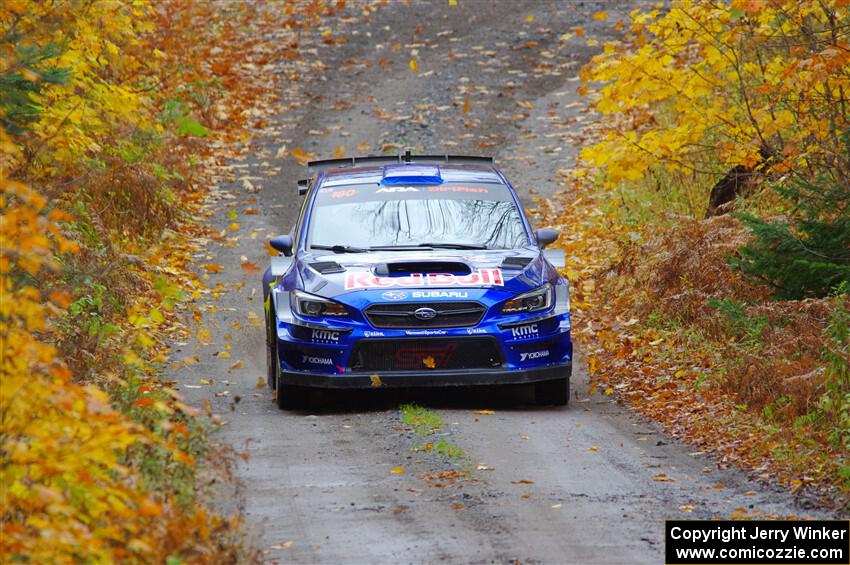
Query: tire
{"points": [[271, 358], [292, 397], [554, 393]]}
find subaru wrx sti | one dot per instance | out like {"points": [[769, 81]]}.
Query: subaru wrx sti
{"points": [[415, 271]]}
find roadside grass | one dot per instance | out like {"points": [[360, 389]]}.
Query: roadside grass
{"points": [[448, 449], [426, 423]]}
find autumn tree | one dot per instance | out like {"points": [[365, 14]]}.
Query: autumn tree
{"points": [[708, 86]]}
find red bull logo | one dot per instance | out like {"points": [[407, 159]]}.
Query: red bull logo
{"points": [[481, 277]]}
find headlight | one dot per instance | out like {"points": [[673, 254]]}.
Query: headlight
{"points": [[536, 300], [562, 298], [311, 306]]}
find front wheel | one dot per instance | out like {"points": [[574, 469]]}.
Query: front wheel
{"points": [[271, 359], [555, 392], [291, 397]]}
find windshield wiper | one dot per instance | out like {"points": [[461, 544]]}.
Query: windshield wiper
{"points": [[453, 245], [340, 248]]}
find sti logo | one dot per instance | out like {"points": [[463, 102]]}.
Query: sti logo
{"points": [[325, 335], [534, 355], [481, 277], [524, 331]]}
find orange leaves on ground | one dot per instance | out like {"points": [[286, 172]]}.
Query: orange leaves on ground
{"points": [[301, 156]]}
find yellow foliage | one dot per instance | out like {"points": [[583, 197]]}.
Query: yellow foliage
{"points": [[65, 494], [710, 85], [104, 60]]}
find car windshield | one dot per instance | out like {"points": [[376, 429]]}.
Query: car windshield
{"points": [[368, 216]]}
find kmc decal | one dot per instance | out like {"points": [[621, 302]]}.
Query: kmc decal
{"points": [[325, 335], [481, 277], [524, 331]]}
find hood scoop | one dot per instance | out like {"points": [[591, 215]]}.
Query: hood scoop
{"points": [[516, 262], [327, 267], [402, 268]]}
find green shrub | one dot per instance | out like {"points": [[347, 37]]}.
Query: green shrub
{"points": [[806, 254]]}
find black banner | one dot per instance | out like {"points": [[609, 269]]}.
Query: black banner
{"points": [[757, 542]]}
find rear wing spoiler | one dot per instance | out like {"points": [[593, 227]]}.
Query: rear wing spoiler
{"points": [[315, 167]]}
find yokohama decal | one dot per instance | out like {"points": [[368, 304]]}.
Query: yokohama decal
{"points": [[481, 277]]}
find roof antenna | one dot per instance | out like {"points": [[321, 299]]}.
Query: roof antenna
{"points": [[407, 158]]}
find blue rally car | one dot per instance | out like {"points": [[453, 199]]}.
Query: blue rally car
{"points": [[415, 271]]}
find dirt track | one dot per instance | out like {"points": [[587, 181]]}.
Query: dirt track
{"points": [[573, 485]]}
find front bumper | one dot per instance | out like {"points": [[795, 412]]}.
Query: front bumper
{"points": [[449, 378]]}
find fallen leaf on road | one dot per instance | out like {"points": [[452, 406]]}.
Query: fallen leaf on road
{"points": [[398, 470], [556, 506], [205, 381], [339, 152], [284, 545], [212, 268], [261, 382], [413, 65], [250, 268], [523, 482], [485, 412], [482, 467], [593, 448], [458, 506], [687, 508], [719, 486], [663, 478], [303, 157], [237, 365]]}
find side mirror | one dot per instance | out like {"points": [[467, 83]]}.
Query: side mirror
{"points": [[282, 243], [546, 236]]}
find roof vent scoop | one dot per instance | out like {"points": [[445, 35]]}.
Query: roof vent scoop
{"points": [[412, 174], [402, 268]]}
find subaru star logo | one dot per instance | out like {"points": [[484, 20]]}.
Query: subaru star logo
{"points": [[394, 295], [425, 313]]}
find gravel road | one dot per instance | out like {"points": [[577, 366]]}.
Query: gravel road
{"points": [[590, 483]]}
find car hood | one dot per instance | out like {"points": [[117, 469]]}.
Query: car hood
{"points": [[375, 276]]}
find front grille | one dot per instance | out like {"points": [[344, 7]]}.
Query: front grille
{"points": [[425, 354], [447, 315]]}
